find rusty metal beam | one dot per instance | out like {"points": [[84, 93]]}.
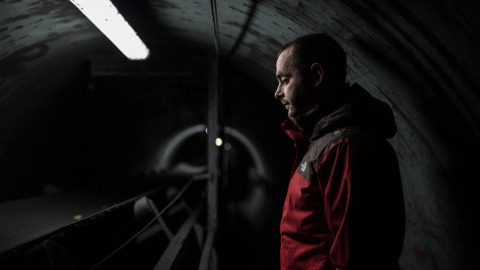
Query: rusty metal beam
{"points": [[174, 248], [207, 251]]}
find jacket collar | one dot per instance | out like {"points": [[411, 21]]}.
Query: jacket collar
{"points": [[313, 123]]}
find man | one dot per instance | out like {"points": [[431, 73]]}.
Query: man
{"points": [[344, 207]]}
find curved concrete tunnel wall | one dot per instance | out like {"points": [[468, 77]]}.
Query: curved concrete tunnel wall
{"points": [[421, 57]]}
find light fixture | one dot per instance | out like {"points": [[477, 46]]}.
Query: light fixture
{"points": [[104, 15], [218, 141]]}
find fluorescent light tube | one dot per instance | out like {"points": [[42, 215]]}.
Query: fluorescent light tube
{"points": [[106, 17]]}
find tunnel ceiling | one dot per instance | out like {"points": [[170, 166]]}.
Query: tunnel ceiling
{"points": [[433, 40], [421, 57], [427, 46]]}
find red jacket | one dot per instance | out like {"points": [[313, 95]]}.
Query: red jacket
{"points": [[344, 207]]}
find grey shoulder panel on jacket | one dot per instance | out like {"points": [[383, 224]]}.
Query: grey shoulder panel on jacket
{"points": [[320, 146]]}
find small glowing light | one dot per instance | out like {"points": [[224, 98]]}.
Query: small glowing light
{"points": [[104, 15], [218, 142]]}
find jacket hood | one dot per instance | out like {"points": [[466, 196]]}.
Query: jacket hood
{"points": [[351, 106]]}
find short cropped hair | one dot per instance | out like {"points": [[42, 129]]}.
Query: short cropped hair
{"points": [[319, 48]]}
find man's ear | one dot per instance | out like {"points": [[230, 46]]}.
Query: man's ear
{"points": [[317, 74]]}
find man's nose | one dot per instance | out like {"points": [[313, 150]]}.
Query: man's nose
{"points": [[278, 93]]}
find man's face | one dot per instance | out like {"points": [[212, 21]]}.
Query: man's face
{"points": [[292, 91]]}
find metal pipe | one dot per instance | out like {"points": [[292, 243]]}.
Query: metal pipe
{"points": [[213, 150]]}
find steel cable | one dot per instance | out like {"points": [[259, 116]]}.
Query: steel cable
{"points": [[213, 6]]}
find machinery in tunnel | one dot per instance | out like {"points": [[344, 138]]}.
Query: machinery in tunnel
{"points": [[93, 146], [145, 130]]}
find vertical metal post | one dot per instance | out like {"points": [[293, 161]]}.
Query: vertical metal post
{"points": [[213, 150]]}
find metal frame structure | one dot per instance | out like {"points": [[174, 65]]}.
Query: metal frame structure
{"points": [[180, 238]]}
